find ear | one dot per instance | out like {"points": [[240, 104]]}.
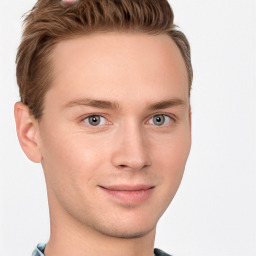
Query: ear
{"points": [[27, 131]]}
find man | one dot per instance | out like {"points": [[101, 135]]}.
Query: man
{"points": [[105, 109]]}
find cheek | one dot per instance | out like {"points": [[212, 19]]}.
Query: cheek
{"points": [[69, 158], [170, 163], [72, 164], [171, 156]]}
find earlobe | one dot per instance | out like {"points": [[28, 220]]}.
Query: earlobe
{"points": [[27, 131]]}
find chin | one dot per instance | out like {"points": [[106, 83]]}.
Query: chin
{"points": [[132, 232], [122, 225]]}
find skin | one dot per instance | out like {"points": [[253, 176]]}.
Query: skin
{"points": [[134, 70]]}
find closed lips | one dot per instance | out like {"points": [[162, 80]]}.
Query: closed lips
{"points": [[127, 187]]}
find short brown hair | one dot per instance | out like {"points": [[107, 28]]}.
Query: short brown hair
{"points": [[50, 21]]}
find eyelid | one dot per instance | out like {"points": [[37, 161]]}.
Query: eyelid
{"points": [[172, 116]]}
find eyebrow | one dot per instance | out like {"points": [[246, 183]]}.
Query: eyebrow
{"points": [[93, 103], [105, 104], [167, 104]]}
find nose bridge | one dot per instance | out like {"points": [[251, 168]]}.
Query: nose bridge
{"points": [[130, 149]]}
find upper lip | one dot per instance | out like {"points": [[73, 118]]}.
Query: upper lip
{"points": [[128, 187]]}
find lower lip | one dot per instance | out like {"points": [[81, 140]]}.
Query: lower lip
{"points": [[129, 197]]}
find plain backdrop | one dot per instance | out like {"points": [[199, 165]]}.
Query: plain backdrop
{"points": [[214, 210]]}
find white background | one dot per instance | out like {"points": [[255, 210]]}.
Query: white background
{"points": [[214, 210]]}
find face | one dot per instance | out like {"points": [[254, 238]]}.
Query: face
{"points": [[115, 132]]}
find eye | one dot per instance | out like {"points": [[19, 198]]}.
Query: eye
{"points": [[95, 120], [160, 120]]}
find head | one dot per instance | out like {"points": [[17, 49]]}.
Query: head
{"points": [[105, 88]]}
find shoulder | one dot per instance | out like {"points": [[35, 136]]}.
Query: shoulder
{"points": [[159, 252]]}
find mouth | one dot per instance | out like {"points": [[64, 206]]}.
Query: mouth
{"points": [[128, 194]]}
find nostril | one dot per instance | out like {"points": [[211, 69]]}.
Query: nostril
{"points": [[69, 3], [123, 165]]}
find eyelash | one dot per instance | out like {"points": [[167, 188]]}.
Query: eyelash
{"points": [[171, 119]]}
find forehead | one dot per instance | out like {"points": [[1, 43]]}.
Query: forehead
{"points": [[119, 64]]}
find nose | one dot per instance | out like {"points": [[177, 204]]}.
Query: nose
{"points": [[130, 151]]}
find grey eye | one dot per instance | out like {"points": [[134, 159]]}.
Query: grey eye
{"points": [[94, 120], [159, 120]]}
